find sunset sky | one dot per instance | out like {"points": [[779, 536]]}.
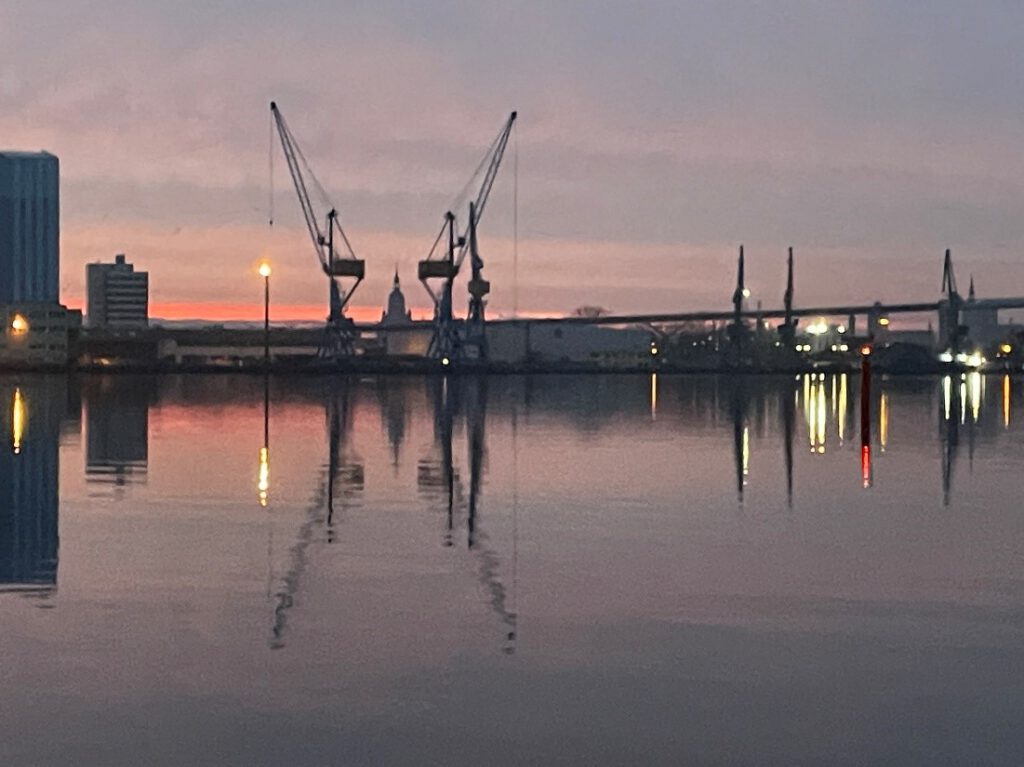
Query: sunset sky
{"points": [[653, 138]]}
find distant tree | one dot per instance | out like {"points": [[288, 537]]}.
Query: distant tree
{"points": [[590, 311]]}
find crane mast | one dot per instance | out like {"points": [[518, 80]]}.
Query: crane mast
{"points": [[339, 332], [443, 266]]}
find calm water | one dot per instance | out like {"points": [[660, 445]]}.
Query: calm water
{"points": [[553, 570]]}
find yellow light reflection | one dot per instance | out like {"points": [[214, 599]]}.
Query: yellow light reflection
{"points": [[883, 420], [1006, 402], [842, 407], [974, 385], [746, 453], [654, 396], [18, 419], [810, 413], [821, 418], [264, 483], [963, 399]]}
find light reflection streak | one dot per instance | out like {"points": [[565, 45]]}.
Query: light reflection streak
{"points": [[947, 396], [746, 453], [1006, 401], [18, 420], [264, 482], [963, 399], [654, 396], [841, 411], [883, 420], [975, 384], [821, 417]]}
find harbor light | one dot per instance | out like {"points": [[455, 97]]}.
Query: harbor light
{"points": [[1006, 348], [946, 357], [817, 328], [865, 350], [265, 269], [746, 292], [445, 361], [883, 321], [19, 325]]}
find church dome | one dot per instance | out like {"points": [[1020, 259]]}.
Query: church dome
{"points": [[396, 313]]}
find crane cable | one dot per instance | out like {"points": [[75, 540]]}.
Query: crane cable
{"points": [[515, 221], [270, 165]]}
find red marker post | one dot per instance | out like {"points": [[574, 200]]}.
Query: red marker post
{"points": [[865, 414]]}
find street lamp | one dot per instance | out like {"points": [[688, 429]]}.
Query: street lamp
{"points": [[264, 270]]}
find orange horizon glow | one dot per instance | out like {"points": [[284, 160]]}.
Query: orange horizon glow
{"points": [[221, 311]]}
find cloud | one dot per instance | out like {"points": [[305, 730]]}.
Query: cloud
{"points": [[859, 132]]}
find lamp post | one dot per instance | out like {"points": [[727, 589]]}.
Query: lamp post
{"points": [[265, 274]]}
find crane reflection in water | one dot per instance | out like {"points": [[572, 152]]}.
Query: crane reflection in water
{"points": [[341, 484], [439, 481], [749, 410]]}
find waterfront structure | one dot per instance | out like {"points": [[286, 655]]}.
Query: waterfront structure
{"points": [[981, 323], [29, 227], [39, 333], [117, 295]]}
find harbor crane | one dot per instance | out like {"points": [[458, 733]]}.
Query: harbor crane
{"points": [[445, 259], [344, 271]]}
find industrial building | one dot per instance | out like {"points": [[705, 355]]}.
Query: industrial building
{"points": [[29, 227], [117, 296]]}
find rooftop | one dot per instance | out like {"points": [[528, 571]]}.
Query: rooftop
{"points": [[21, 155]]}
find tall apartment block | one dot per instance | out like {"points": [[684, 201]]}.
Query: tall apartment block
{"points": [[29, 228], [117, 295]]}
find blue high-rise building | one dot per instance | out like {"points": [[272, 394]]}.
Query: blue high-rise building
{"points": [[29, 228]]}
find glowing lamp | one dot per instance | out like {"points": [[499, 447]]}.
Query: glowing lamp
{"points": [[19, 325], [264, 269]]}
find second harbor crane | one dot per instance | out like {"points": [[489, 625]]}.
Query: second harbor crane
{"points": [[444, 261], [343, 270]]}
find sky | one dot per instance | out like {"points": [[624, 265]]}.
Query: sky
{"points": [[653, 138]]}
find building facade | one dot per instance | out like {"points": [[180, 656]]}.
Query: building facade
{"points": [[29, 227], [36, 333], [116, 294]]}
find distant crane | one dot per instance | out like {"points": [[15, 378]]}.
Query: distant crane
{"points": [[443, 265], [339, 333]]}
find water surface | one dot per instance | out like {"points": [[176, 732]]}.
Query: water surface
{"points": [[549, 570]]}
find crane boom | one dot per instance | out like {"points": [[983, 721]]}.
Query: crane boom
{"points": [[293, 156], [338, 335], [496, 154]]}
